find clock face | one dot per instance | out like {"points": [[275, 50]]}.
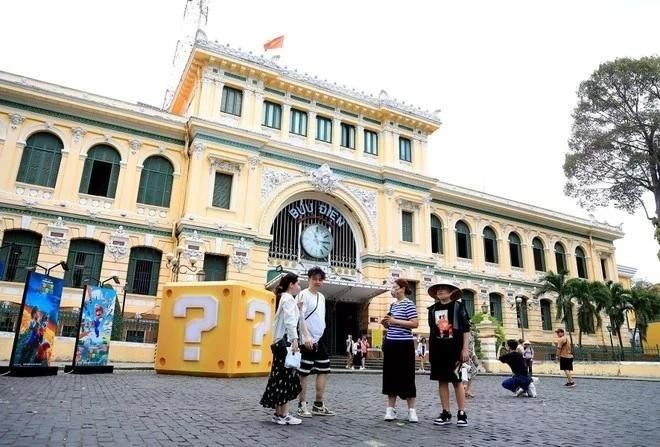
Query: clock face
{"points": [[317, 241]]}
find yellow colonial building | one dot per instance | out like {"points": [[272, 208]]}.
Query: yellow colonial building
{"points": [[253, 167]]}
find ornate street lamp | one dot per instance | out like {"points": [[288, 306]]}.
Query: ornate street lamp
{"points": [[175, 265]]}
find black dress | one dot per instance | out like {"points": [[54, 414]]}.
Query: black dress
{"points": [[283, 383]]}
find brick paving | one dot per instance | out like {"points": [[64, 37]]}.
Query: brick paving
{"points": [[142, 408]]}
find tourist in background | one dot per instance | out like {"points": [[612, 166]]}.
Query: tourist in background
{"points": [[364, 348], [422, 350], [349, 351], [528, 355]]}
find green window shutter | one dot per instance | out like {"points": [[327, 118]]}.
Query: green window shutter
{"points": [[468, 301], [40, 161], [114, 178], [231, 101], [85, 260], [20, 250], [436, 235], [215, 267], [156, 182], [546, 317], [86, 175], [222, 190], [407, 226], [495, 306], [144, 270]]}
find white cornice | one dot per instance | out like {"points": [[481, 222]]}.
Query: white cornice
{"points": [[331, 87]]}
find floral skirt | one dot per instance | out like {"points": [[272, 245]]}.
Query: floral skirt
{"points": [[283, 384]]}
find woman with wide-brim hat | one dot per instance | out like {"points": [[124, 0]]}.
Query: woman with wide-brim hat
{"points": [[449, 325]]}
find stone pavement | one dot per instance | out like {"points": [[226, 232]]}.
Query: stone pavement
{"points": [[143, 408]]}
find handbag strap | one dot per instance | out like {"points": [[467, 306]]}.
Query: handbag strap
{"points": [[315, 307]]}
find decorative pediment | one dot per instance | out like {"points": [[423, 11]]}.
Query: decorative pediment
{"points": [[323, 179]]}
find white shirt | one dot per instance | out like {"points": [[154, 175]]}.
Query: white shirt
{"points": [[313, 316], [286, 318]]}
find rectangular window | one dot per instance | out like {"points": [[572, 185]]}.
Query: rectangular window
{"points": [[142, 279], [135, 336], [490, 250], [347, 136], [539, 261], [561, 262], [370, 142], [463, 246], [232, 101], [546, 317], [272, 115], [413, 291], [222, 190], [215, 268], [436, 240], [406, 226], [323, 129], [516, 255], [298, 122], [496, 308], [603, 267], [521, 314], [405, 149]]}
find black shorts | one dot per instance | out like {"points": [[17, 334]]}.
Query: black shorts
{"points": [[314, 361], [565, 364]]}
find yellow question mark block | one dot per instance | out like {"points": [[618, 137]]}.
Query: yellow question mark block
{"points": [[221, 328]]}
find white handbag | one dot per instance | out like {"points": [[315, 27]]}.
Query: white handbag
{"points": [[292, 359]]}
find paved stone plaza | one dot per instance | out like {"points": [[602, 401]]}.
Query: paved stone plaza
{"points": [[143, 408]]}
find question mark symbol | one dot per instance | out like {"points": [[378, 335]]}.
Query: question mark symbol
{"points": [[259, 330], [195, 327]]}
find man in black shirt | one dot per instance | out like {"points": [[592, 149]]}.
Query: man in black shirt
{"points": [[521, 382]]}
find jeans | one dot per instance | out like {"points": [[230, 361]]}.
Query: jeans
{"points": [[515, 382]]}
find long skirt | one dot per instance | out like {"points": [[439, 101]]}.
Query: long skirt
{"points": [[399, 368], [283, 383]]}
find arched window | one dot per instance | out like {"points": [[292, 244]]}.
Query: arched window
{"points": [[546, 316], [436, 235], [101, 171], [40, 162], [20, 249], [85, 260], [144, 270], [560, 257], [539, 255], [490, 245], [468, 300], [156, 182], [581, 261], [521, 313], [463, 245], [495, 301], [515, 250]]}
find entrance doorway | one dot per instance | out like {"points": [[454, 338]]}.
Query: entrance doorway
{"points": [[341, 319]]}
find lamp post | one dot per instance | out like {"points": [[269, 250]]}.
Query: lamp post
{"points": [[175, 265], [47, 270], [519, 302], [609, 330]]}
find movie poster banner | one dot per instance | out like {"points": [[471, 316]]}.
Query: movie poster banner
{"points": [[40, 310], [96, 313]]}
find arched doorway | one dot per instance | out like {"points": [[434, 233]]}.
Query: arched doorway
{"points": [[311, 231]]}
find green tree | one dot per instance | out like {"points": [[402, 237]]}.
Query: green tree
{"points": [[589, 306], [615, 144], [117, 322], [645, 304], [618, 304], [557, 284]]}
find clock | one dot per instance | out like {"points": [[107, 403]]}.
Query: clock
{"points": [[317, 241]]}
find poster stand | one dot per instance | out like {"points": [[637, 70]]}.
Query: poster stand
{"points": [[75, 367], [52, 295]]}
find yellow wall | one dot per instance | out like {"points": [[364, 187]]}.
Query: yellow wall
{"points": [[371, 191]]}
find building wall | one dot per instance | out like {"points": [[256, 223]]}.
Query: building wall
{"points": [[270, 168]]}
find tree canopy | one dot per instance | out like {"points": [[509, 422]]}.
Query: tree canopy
{"points": [[614, 155]]}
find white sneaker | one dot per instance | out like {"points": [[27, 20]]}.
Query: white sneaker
{"points": [[390, 414], [519, 392], [361, 367], [412, 415], [303, 411], [531, 390], [289, 420]]}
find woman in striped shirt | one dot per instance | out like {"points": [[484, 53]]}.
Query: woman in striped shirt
{"points": [[399, 352]]}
